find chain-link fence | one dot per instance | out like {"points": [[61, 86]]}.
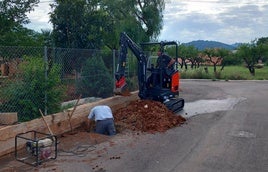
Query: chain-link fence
{"points": [[52, 79]]}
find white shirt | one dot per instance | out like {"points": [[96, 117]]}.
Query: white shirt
{"points": [[100, 112]]}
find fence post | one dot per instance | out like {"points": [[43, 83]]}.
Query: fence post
{"points": [[114, 70], [46, 69]]}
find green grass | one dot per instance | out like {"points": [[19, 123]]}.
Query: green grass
{"points": [[229, 73]]}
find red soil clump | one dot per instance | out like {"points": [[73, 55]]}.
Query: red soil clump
{"points": [[146, 116]]}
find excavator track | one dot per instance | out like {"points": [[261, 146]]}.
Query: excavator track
{"points": [[175, 105]]}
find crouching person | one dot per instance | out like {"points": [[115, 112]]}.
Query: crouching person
{"points": [[103, 117]]}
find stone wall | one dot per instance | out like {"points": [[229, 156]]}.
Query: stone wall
{"points": [[59, 122]]}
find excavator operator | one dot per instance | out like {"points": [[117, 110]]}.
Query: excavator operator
{"points": [[164, 61]]}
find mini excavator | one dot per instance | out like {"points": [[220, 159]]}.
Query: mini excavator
{"points": [[156, 81]]}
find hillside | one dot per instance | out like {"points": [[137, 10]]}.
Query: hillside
{"points": [[201, 45]]}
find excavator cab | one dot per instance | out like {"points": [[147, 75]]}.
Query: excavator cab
{"points": [[163, 68], [158, 78]]}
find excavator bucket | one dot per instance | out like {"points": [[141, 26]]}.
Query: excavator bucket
{"points": [[121, 87], [123, 91], [175, 105]]}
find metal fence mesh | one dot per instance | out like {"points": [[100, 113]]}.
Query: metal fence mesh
{"points": [[51, 79]]}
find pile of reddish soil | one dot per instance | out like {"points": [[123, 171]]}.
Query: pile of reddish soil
{"points": [[146, 116]]}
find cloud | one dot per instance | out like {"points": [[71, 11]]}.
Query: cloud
{"points": [[40, 16], [226, 21]]}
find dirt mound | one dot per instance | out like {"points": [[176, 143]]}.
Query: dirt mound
{"points": [[146, 116]]}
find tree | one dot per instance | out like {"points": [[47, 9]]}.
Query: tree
{"points": [[262, 43], [13, 15], [248, 52], [188, 53], [263, 40], [47, 37], [15, 11], [147, 14], [95, 80], [223, 54], [231, 59], [193, 56], [21, 36], [77, 24], [215, 56], [183, 55], [98, 23], [253, 52]]}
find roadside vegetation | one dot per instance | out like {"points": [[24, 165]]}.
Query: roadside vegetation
{"points": [[229, 73], [247, 62], [31, 90]]}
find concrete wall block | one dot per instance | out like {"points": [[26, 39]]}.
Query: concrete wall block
{"points": [[8, 118]]}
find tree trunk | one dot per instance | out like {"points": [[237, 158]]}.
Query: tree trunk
{"points": [[181, 64], [206, 69], [185, 65], [222, 67], [215, 68], [192, 65], [251, 70]]}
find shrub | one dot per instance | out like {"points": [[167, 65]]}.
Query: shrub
{"points": [[95, 80], [195, 74], [236, 77], [32, 90]]}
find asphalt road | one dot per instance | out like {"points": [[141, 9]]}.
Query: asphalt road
{"points": [[213, 139], [232, 140]]}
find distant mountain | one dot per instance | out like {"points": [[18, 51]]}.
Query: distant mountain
{"points": [[201, 45], [236, 44]]}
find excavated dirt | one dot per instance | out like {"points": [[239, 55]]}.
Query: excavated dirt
{"points": [[139, 116], [146, 116], [143, 116]]}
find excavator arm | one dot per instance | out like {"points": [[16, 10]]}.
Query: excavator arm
{"points": [[121, 85]]}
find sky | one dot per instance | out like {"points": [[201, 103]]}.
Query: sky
{"points": [[227, 21]]}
